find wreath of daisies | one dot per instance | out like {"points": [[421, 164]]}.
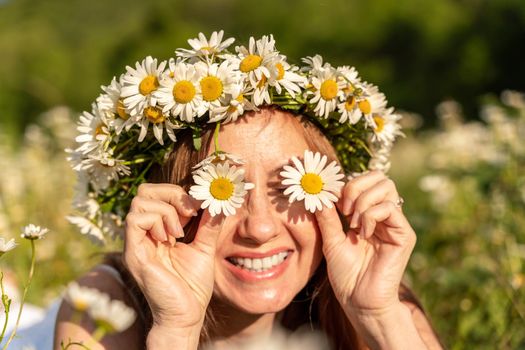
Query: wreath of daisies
{"points": [[134, 122]]}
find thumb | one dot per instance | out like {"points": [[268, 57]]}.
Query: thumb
{"points": [[331, 228], [208, 232]]}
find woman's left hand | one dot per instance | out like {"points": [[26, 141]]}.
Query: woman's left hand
{"points": [[365, 265]]}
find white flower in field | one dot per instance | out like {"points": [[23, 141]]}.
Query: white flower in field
{"points": [[93, 130], [139, 84], [219, 157], [204, 47], [112, 315], [221, 187], [327, 88], [180, 93], [256, 62], [33, 232], [313, 182], [81, 298], [87, 227], [6, 246], [385, 127], [216, 81], [103, 168]]}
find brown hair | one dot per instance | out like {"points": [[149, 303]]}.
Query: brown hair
{"points": [[315, 305]]}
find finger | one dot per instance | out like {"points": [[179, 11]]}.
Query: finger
{"points": [[383, 190], [398, 231], [168, 212], [331, 228], [356, 186], [175, 195], [208, 232], [138, 225]]}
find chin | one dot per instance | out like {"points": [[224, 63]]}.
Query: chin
{"points": [[261, 301]]}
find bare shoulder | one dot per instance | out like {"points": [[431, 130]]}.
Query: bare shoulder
{"points": [[425, 330], [70, 328]]}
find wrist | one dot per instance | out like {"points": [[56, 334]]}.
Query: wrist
{"points": [[165, 337], [388, 328]]}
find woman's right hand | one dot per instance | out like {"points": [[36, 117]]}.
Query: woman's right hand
{"points": [[176, 279]]}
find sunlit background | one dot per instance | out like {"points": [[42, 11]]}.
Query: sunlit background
{"points": [[453, 67]]}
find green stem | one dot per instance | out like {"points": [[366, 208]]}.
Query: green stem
{"points": [[6, 307], [29, 279], [216, 137]]}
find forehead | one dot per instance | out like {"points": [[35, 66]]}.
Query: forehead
{"points": [[268, 139]]}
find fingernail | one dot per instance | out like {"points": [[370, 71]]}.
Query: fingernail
{"points": [[355, 220], [362, 232], [194, 213], [346, 207]]}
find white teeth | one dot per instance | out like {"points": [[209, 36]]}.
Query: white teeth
{"points": [[259, 265]]}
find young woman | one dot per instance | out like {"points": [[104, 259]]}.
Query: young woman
{"points": [[334, 279]]}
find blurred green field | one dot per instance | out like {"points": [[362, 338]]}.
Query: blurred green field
{"points": [[460, 168]]}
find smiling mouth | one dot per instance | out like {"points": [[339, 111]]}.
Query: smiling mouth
{"points": [[260, 264]]}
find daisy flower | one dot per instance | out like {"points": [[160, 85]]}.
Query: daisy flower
{"points": [[159, 120], [315, 64], [220, 187], [103, 168], [256, 62], [312, 182], [93, 130], [215, 82], [327, 89], [204, 47], [111, 315], [81, 298], [111, 103], [285, 76], [233, 106], [87, 227], [6, 246], [180, 94], [33, 232], [385, 127], [138, 85], [219, 157]]}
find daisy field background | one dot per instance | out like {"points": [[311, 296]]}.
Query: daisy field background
{"points": [[459, 169]]}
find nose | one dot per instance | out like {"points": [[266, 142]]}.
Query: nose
{"points": [[260, 223]]}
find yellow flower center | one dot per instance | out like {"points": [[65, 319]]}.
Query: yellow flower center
{"points": [[350, 103], [121, 110], [183, 91], [80, 305], [99, 129], [240, 98], [208, 48], [221, 188], [262, 82], [280, 69], [250, 63], [311, 183], [349, 89], [380, 123], [329, 89], [172, 74], [365, 106], [148, 85], [154, 114], [211, 88]]}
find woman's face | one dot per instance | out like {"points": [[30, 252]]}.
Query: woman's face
{"points": [[267, 252]]}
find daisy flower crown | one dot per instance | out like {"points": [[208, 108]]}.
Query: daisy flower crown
{"points": [[133, 123]]}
